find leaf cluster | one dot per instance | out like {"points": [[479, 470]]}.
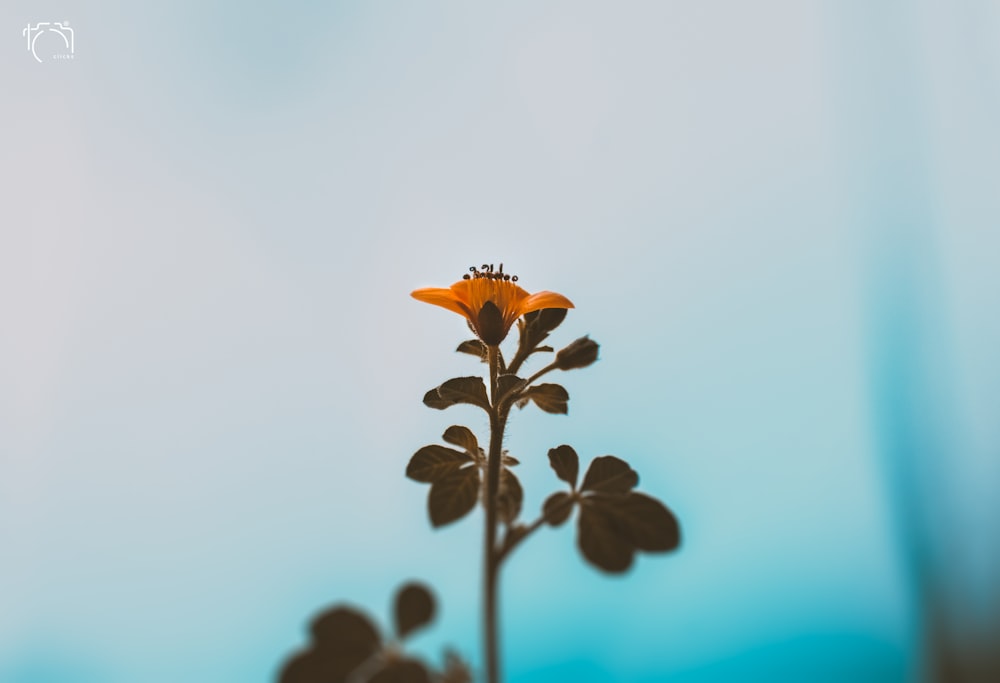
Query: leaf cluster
{"points": [[457, 477], [509, 390], [346, 647], [615, 522]]}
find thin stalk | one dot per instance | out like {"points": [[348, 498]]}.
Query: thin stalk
{"points": [[514, 540], [493, 555], [491, 559], [548, 368]]}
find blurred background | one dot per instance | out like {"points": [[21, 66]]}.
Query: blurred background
{"points": [[779, 218]]}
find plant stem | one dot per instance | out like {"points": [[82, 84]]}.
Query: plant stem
{"points": [[491, 559], [548, 368], [512, 541], [493, 555]]}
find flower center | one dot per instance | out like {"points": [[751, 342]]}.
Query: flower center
{"points": [[486, 271]]}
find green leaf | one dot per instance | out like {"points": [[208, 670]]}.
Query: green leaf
{"points": [[509, 497], [600, 542], [474, 347], [453, 496], [551, 398], [414, 608], [642, 520], [400, 671], [433, 462], [458, 390], [608, 474], [462, 436], [557, 508], [566, 463]]}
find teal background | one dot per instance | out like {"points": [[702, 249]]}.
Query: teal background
{"points": [[778, 218]]}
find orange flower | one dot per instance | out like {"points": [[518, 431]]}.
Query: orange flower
{"points": [[490, 301]]}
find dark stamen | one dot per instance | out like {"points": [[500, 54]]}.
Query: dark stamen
{"points": [[487, 271]]}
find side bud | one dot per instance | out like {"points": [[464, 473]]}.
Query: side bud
{"points": [[578, 354]]}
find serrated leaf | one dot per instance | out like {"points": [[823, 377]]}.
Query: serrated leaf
{"points": [[608, 474], [552, 398], [474, 347], [566, 463], [510, 496], [557, 508], [462, 436], [414, 608], [460, 390], [642, 520], [433, 462], [600, 542], [453, 496], [401, 671]]}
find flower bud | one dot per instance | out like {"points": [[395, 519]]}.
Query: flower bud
{"points": [[578, 354]]}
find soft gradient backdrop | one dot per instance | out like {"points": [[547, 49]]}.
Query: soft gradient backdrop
{"points": [[779, 218]]}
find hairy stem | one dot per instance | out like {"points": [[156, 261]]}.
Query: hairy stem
{"points": [[493, 554], [491, 558]]}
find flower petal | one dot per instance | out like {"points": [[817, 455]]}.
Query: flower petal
{"points": [[540, 300], [475, 292], [443, 297]]}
